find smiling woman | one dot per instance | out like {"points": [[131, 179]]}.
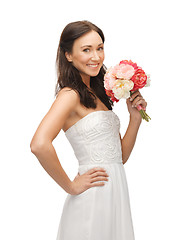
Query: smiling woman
{"points": [[80, 65], [88, 59], [95, 205]]}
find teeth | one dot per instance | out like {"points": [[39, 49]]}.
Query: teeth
{"points": [[92, 65]]}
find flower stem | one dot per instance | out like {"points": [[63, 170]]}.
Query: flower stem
{"points": [[144, 115]]}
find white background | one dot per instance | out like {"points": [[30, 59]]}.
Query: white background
{"points": [[157, 35]]}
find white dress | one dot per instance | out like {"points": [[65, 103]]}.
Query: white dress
{"points": [[100, 212]]}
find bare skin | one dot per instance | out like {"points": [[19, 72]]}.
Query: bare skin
{"points": [[81, 112], [128, 140]]}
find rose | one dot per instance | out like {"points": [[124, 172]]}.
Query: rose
{"points": [[109, 78], [139, 79], [122, 88], [108, 81], [126, 62], [124, 71]]}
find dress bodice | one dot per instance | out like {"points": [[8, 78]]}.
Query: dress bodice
{"points": [[95, 138]]}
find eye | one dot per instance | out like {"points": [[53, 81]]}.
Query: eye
{"points": [[101, 48], [86, 50]]}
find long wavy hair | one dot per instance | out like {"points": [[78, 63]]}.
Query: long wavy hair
{"points": [[69, 76]]}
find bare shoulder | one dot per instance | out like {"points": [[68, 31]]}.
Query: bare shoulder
{"points": [[67, 100], [69, 93], [63, 106]]}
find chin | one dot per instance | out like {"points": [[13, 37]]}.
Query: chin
{"points": [[94, 75]]}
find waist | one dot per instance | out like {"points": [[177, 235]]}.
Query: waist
{"points": [[108, 166], [100, 163]]}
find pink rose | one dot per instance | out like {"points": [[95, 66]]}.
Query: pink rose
{"points": [[109, 78], [108, 82], [126, 62], [125, 71]]}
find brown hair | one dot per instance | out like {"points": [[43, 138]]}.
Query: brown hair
{"points": [[68, 75]]}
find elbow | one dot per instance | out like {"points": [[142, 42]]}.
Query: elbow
{"points": [[123, 160], [125, 156], [37, 146], [33, 148]]}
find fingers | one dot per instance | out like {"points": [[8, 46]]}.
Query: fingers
{"points": [[97, 174], [93, 170], [93, 177], [137, 99], [135, 94], [99, 179], [95, 184]]}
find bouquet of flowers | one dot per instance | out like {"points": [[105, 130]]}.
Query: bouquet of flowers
{"points": [[124, 79]]}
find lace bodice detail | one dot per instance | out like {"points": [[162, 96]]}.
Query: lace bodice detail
{"points": [[95, 138]]}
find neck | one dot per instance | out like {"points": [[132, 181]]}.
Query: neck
{"points": [[86, 80]]}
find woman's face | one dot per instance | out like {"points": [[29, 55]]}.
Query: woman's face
{"points": [[87, 54]]}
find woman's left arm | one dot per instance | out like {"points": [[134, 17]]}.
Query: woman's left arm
{"points": [[128, 141]]}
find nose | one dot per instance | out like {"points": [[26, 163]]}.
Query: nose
{"points": [[95, 56]]}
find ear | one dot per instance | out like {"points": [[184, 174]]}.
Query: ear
{"points": [[68, 56]]}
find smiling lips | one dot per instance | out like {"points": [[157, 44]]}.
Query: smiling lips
{"points": [[93, 65]]}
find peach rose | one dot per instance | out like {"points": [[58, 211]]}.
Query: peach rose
{"points": [[122, 88], [124, 71]]}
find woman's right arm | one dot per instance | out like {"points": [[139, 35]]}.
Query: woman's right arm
{"points": [[41, 143]]}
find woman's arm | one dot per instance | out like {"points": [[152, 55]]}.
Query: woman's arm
{"points": [[128, 141], [41, 143]]}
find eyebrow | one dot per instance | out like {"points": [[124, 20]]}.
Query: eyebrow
{"points": [[91, 45]]}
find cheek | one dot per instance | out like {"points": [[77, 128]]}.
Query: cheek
{"points": [[82, 59], [102, 56]]}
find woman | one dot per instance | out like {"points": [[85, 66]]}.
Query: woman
{"points": [[97, 205]]}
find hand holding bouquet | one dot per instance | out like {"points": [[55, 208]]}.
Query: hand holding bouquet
{"points": [[122, 80]]}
